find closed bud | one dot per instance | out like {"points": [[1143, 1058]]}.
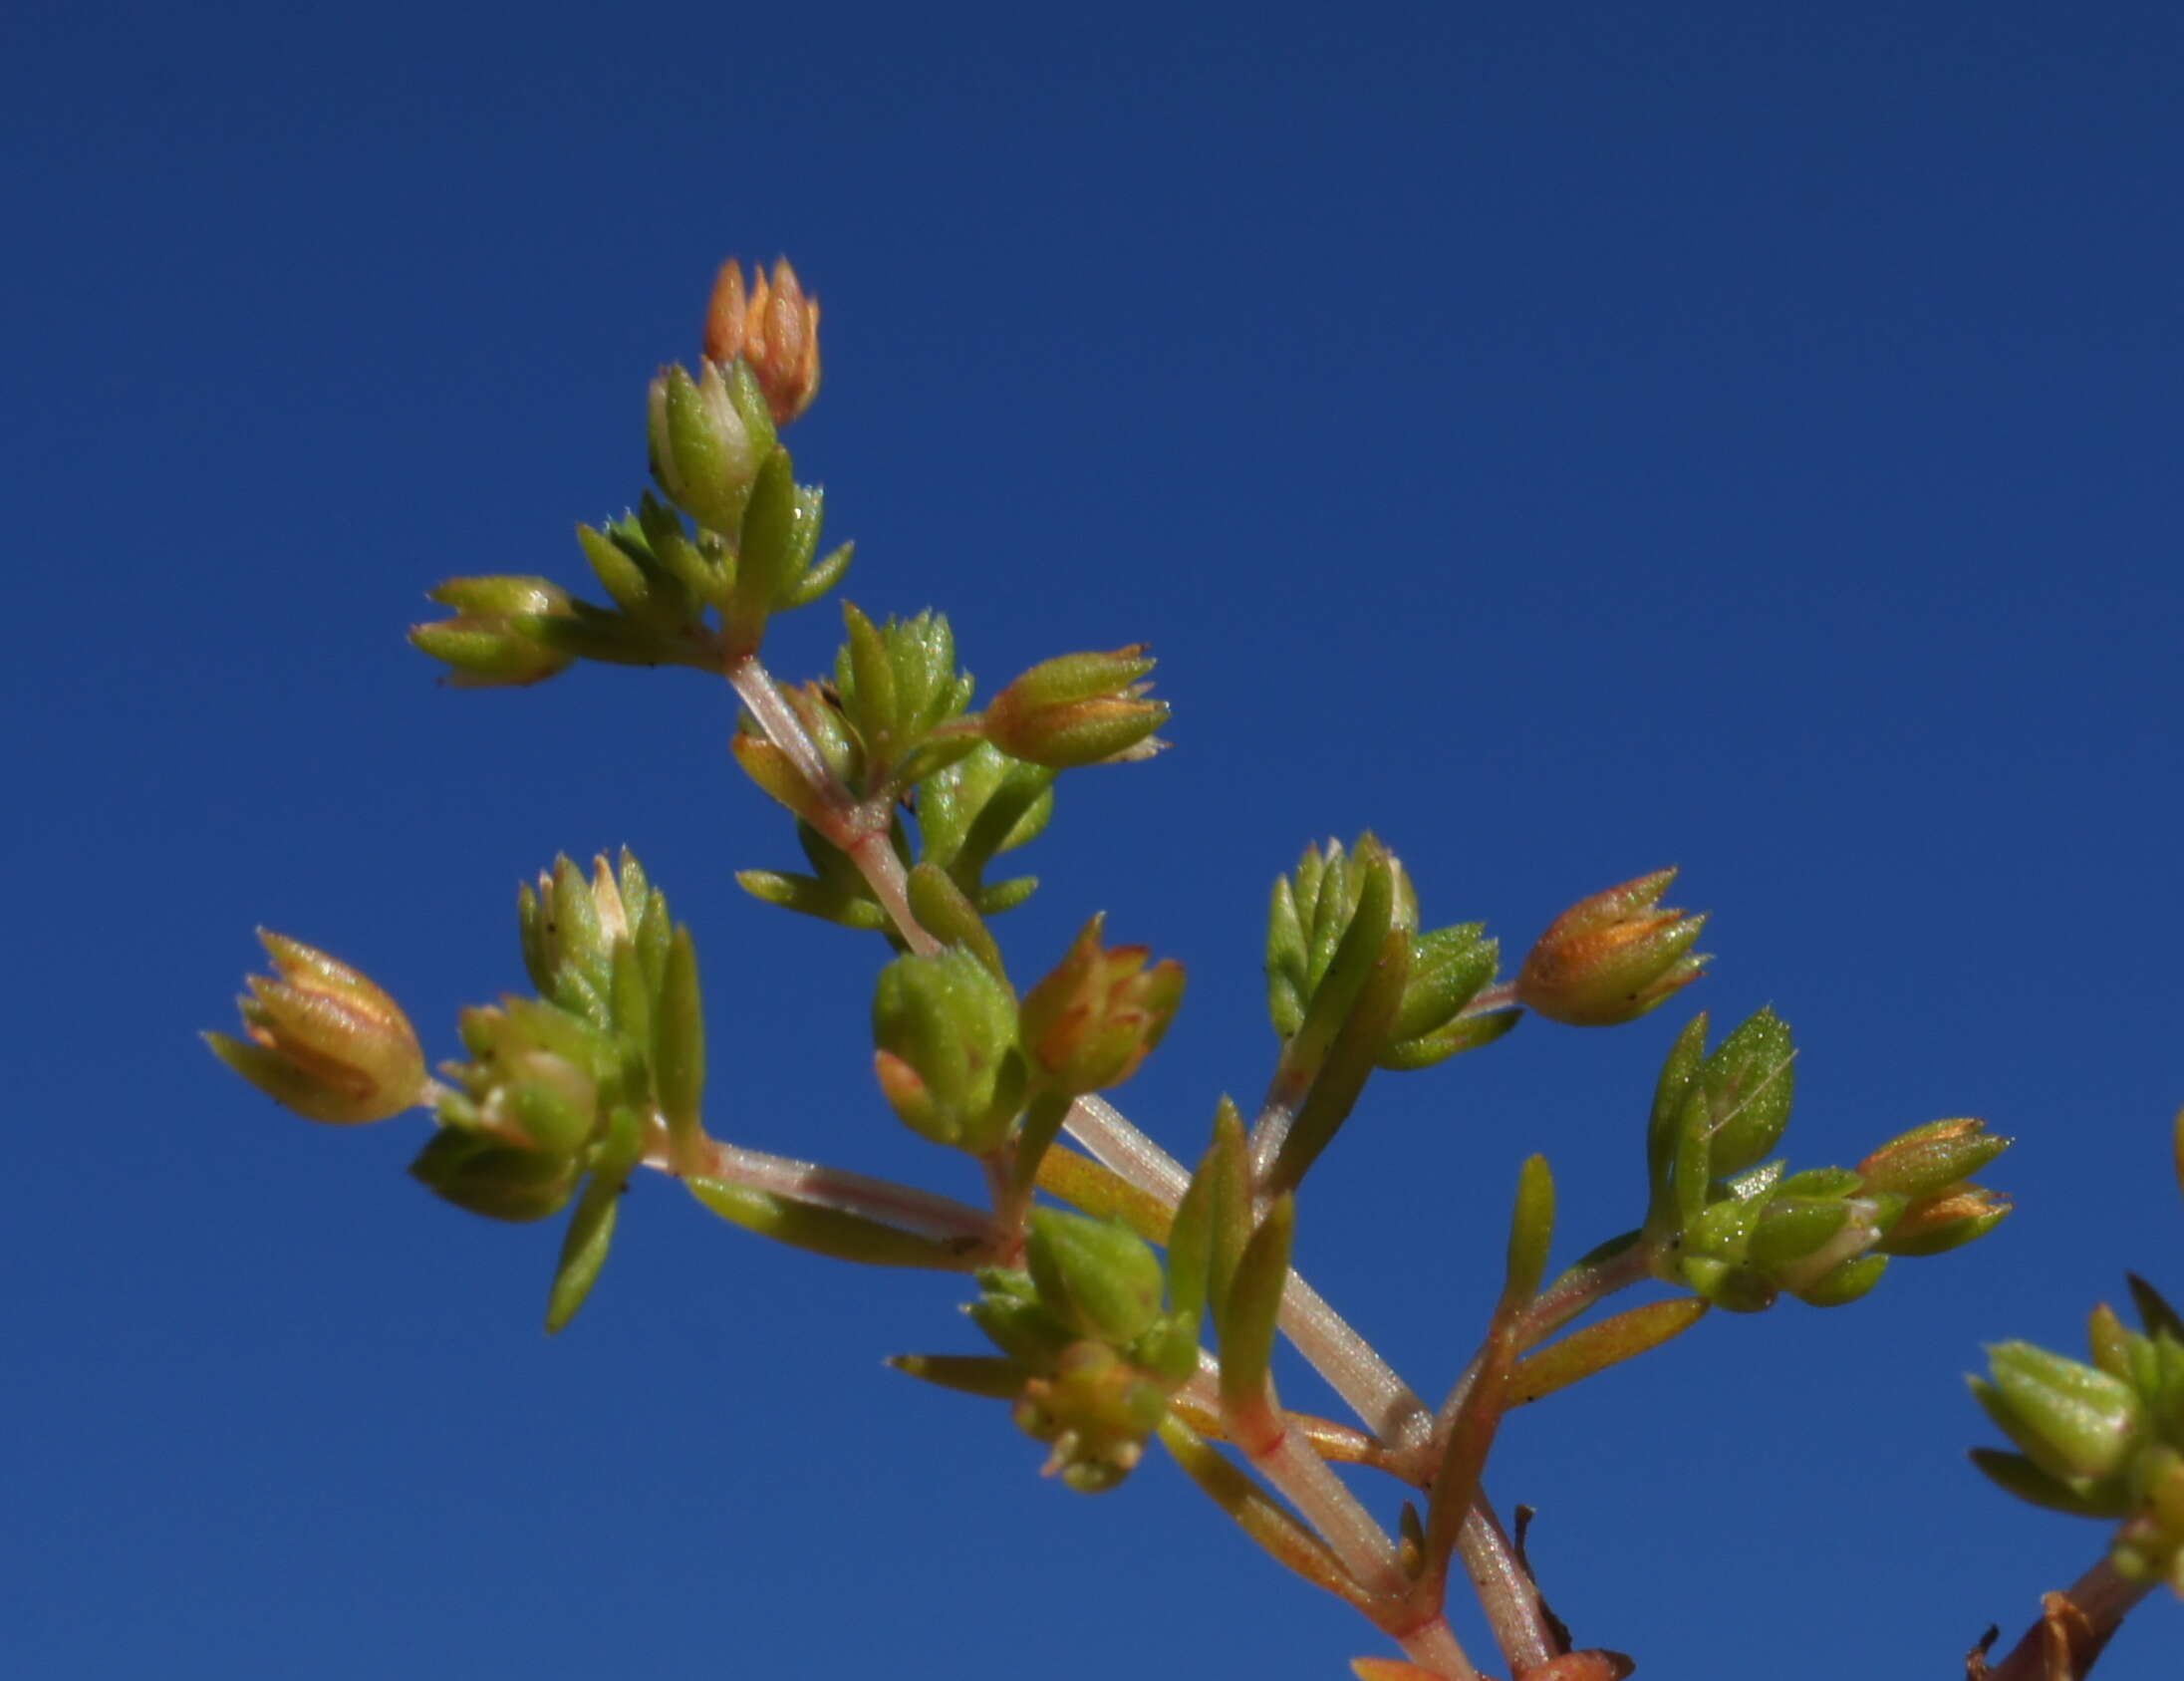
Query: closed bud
{"points": [[323, 1040], [709, 436], [1090, 1022], [533, 1078], [1079, 710], [1096, 1409], [1096, 1275], [2074, 1421], [772, 327], [500, 635], [1946, 1219], [1931, 1158], [1612, 958], [1750, 1081], [945, 1029]]}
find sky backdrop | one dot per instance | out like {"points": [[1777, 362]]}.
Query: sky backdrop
{"points": [[1566, 440]]}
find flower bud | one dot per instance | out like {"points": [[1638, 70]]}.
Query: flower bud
{"points": [[1097, 1410], [773, 328], [1947, 1219], [709, 439], [533, 1078], [323, 1040], [1931, 1158], [947, 1056], [1079, 710], [498, 638], [2072, 1421], [1612, 958], [1090, 1022], [1096, 1275]]}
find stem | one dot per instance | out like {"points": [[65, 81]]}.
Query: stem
{"points": [[1578, 1291], [905, 1206], [2073, 1628], [1507, 1592], [1350, 1364]]}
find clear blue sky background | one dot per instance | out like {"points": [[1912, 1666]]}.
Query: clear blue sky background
{"points": [[1566, 439]]}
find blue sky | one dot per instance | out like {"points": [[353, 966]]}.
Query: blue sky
{"points": [[1566, 440]]}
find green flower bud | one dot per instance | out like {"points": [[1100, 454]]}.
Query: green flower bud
{"points": [[1079, 710], [1931, 1158], [2075, 1422], [499, 637], [897, 682], [1097, 1410], [1750, 1081], [1946, 1219], [499, 1180], [323, 1040], [1097, 1275], [1099, 1013], [709, 436], [947, 1056], [1612, 958]]}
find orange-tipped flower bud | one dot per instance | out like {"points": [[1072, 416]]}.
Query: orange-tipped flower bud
{"points": [[323, 1040], [1610, 959], [1079, 710], [1101, 1012], [774, 328]]}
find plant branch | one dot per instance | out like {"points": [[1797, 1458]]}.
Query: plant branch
{"points": [[903, 1206], [2074, 1628]]}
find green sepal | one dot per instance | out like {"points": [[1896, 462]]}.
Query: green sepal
{"points": [[499, 1180], [1729, 1285], [624, 567], [1694, 1177], [831, 1231], [1791, 1228], [583, 1251], [2016, 1474], [1820, 1182], [995, 1377], [1254, 1304], [1016, 1323], [585, 632], [1840, 1285], [1749, 1082]]}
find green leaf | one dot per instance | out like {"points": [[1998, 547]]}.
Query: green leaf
{"points": [[1254, 1304], [583, 1251], [830, 1231]]}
